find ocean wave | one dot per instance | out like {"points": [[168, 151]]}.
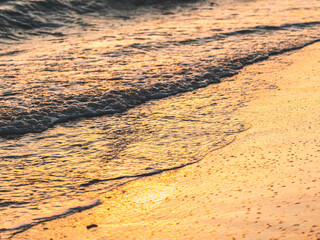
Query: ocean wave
{"points": [[19, 18], [18, 120]]}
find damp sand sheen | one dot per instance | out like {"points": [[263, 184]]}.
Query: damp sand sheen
{"points": [[263, 185]]}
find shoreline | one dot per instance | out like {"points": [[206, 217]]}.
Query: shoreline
{"points": [[262, 186]]}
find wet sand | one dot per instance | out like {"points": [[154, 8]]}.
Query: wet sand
{"points": [[264, 185]]}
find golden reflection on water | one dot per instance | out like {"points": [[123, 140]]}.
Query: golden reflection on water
{"points": [[160, 134]]}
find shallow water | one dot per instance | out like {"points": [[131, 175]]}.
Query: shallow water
{"points": [[48, 173], [93, 72]]}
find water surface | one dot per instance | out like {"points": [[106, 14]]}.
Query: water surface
{"points": [[78, 112]]}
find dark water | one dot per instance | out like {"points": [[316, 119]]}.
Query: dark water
{"points": [[79, 79], [37, 17]]}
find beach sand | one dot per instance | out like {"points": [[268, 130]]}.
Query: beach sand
{"points": [[264, 185]]}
